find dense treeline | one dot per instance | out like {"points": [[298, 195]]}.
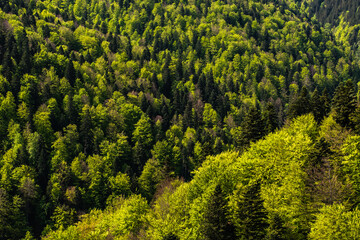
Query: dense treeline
{"points": [[329, 11], [297, 183], [106, 98]]}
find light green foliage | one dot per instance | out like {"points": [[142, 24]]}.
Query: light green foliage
{"points": [[142, 132], [120, 184], [121, 219], [351, 164], [151, 176], [276, 161], [210, 116], [42, 123], [63, 217], [102, 98], [336, 222], [66, 147]]}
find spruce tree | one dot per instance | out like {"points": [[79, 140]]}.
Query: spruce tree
{"points": [[166, 77], [344, 103], [270, 117], [276, 229], [319, 105], [252, 126], [251, 216], [300, 105], [217, 224], [70, 73]]}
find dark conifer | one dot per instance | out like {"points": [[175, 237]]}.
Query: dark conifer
{"points": [[253, 125], [179, 69], [299, 105], [344, 103], [217, 224], [166, 88], [70, 73], [85, 133], [276, 229], [251, 216], [171, 236], [271, 118]]}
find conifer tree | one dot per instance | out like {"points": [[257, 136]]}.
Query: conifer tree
{"points": [[166, 88], [316, 108], [70, 73], [344, 103], [276, 229], [217, 225], [251, 216], [171, 236], [300, 105], [252, 126], [270, 117]]}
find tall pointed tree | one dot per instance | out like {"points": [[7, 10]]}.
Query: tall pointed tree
{"points": [[344, 103], [70, 73], [251, 216], [217, 224], [300, 105], [253, 125]]}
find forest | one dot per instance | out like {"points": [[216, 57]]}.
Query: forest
{"points": [[179, 119]]}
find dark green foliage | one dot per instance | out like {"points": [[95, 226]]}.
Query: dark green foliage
{"points": [[320, 105], [70, 73], [171, 236], [251, 216], [217, 223], [344, 103], [276, 229], [253, 126], [99, 97], [329, 11], [271, 118], [300, 105]]}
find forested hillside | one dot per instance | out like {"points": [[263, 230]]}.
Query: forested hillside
{"points": [[329, 11], [113, 112]]}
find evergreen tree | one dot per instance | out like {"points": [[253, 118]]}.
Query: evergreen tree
{"points": [[319, 105], [253, 125], [85, 134], [276, 229], [70, 73], [251, 216], [166, 77], [270, 117], [300, 105], [179, 69], [344, 103], [171, 236], [217, 224]]}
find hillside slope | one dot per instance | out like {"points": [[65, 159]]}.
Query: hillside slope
{"points": [[100, 99], [329, 11], [283, 187]]}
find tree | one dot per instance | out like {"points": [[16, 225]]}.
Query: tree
{"points": [[253, 126], [270, 118], [276, 229], [70, 73], [85, 134], [344, 103], [335, 222], [217, 224], [300, 105], [166, 78], [142, 137], [319, 105], [170, 236], [250, 214]]}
